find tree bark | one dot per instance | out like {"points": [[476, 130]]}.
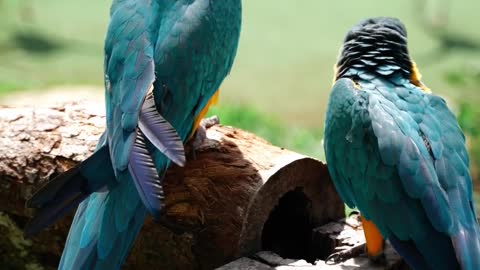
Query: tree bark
{"points": [[236, 195]]}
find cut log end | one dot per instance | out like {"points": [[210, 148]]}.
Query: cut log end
{"points": [[344, 238], [236, 196], [241, 194]]}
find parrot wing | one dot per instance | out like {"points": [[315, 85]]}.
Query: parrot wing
{"points": [[406, 168], [451, 163], [131, 112]]}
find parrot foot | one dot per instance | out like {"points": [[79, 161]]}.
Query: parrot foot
{"points": [[375, 243], [359, 250], [341, 256], [200, 136]]}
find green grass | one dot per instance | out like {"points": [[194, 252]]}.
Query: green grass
{"points": [[286, 51], [307, 141], [468, 118], [73, 30], [284, 65]]}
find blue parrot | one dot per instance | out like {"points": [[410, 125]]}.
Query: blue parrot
{"points": [[396, 152], [164, 63]]}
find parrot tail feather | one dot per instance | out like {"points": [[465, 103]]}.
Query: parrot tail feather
{"points": [[50, 192], [467, 248], [66, 191], [51, 212], [104, 229], [410, 253]]}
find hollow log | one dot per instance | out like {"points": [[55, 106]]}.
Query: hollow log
{"points": [[339, 245], [237, 194]]}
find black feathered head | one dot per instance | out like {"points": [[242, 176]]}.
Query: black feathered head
{"points": [[373, 45], [377, 46]]}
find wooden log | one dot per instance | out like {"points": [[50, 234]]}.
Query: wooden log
{"points": [[237, 194], [339, 245]]}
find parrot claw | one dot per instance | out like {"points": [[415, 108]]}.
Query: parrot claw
{"points": [[359, 250], [341, 256], [210, 121], [200, 136]]}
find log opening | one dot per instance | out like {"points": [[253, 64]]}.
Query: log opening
{"points": [[221, 200], [288, 229]]}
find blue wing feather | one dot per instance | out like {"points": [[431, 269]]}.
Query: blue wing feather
{"points": [[184, 49], [416, 181], [130, 69]]}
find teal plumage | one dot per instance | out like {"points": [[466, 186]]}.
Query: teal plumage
{"points": [[396, 152], [180, 50]]}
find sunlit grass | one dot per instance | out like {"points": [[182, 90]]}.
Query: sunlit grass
{"points": [[307, 141], [287, 50], [282, 75]]}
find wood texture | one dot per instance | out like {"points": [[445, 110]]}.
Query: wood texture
{"points": [[343, 237], [216, 207]]}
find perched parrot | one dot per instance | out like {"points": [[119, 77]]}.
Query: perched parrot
{"points": [[164, 63], [396, 152]]}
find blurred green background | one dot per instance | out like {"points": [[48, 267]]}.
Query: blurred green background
{"points": [[278, 88]]}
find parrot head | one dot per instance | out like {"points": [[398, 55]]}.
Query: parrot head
{"points": [[378, 46], [381, 26]]}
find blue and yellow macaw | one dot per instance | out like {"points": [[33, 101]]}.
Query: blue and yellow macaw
{"points": [[396, 152], [164, 63]]}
